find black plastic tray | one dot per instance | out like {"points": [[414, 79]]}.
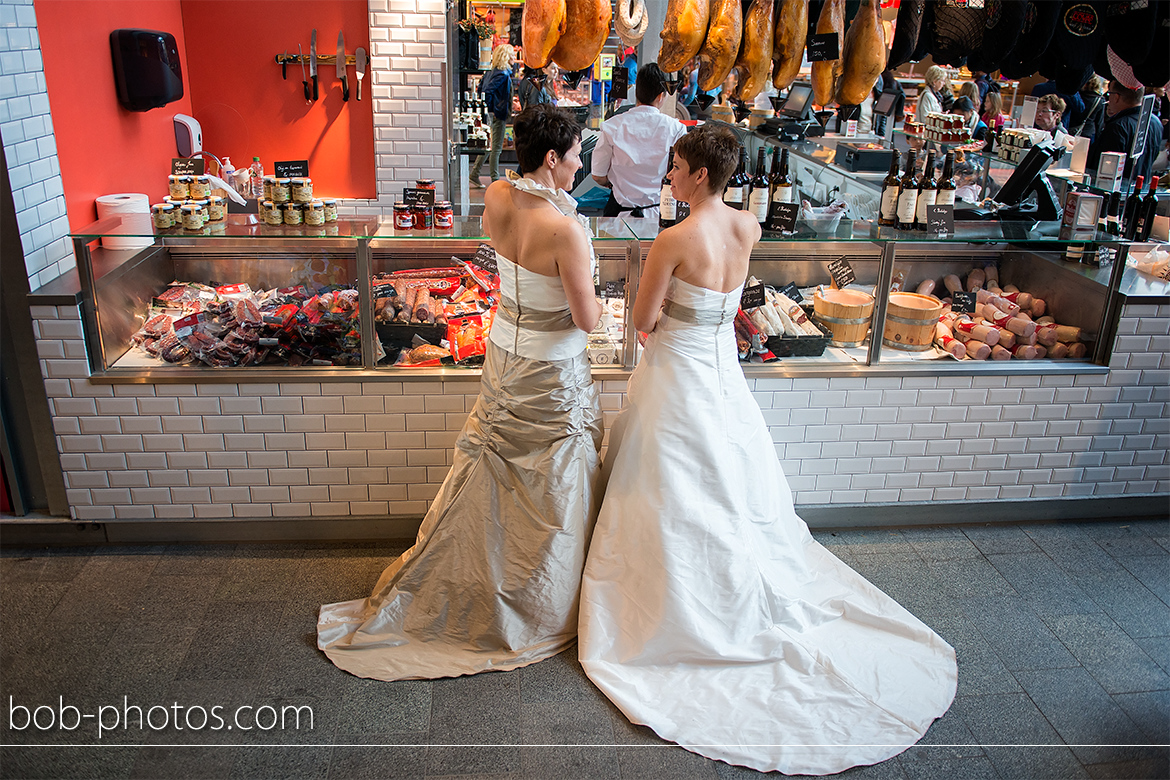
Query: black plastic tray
{"points": [[800, 346]]}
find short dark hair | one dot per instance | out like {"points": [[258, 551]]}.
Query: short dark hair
{"points": [[1130, 97], [710, 146], [649, 84], [542, 127]]}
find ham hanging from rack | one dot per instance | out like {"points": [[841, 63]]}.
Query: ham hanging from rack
{"points": [[542, 25], [825, 72], [717, 57], [788, 41], [586, 28], [755, 53], [864, 55], [683, 32]]}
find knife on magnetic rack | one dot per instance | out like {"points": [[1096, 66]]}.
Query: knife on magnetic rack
{"points": [[341, 66], [313, 61]]}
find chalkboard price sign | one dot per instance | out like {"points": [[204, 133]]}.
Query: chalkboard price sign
{"points": [[615, 288], [792, 292], [287, 169], [485, 258], [784, 217], [842, 272], [963, 302], [187, 166], [940, 220], [823, 47], [751, 297], [412, 196]]}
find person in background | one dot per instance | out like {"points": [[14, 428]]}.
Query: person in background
{"points": [[967, 182], [531, 91], [889, 83], [947, 93], [496, 87], [966, 108], [633, 148], [1072, 102], [930, 99], [1049, 110], [993, 115], [1089, 122], [970, 90], [984, 83], [1123, 109]]}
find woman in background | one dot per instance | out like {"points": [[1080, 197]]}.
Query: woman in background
{"points": [[930, 99], [993, 115]]}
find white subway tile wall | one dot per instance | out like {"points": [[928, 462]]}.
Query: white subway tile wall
{"points": [[251, 450], [30, 148]]}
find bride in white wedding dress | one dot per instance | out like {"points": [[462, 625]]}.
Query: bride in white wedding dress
{"points": [[708, 611]]}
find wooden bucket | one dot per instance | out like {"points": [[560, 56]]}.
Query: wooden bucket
{"points": [[846, 313], [910, 321]]}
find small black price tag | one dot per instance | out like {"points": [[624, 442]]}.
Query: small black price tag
{"points": [[841, 272], [187, 166], [823, 47], [752, 297], [940, 220], [485, 258], [413, 196], [615, 288], [963, 302], [620, 86], [682, 210], [784, 216], [384, 290], [792, 292], [287, 169]]}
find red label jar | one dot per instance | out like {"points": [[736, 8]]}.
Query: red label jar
{"points": [[403, 217]]}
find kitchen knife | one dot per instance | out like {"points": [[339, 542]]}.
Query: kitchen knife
{"points": [[361, 69], [313, 61], [341, 65], [304, 77], [284, 66]]}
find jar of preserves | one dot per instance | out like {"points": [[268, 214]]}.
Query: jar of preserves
{"points": [[200, 187], [163, 215], [444, 215], [268, 183], [302, 190], [216, 209], [315, 213], [204, 209], [294, 214], [272, 213], [192, 219], [424, 184], [281, 190], [179, 186], [403, 217], [422, 216], [330, 209]]}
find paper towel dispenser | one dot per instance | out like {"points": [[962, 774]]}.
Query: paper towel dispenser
{"points": [[147, 73]]}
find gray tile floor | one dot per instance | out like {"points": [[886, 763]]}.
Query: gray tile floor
{"points": [[1062, 633]]}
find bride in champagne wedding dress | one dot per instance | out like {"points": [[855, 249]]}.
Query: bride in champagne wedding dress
{"points": [[708, 611]]}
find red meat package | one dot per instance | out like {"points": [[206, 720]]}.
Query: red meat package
{"points": [[467, 336]]}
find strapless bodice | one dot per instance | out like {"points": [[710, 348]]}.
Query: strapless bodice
{"points": [[534, 319]]}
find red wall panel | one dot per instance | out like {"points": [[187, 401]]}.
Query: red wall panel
{"points": [[245, 108], [102, 147]]}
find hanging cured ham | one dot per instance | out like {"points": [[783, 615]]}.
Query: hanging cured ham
{"points": [[683, 32], [717, 57], [825, 72], [788, 41], [864, 56], [542, 26], [755, 54], [586, 28]]}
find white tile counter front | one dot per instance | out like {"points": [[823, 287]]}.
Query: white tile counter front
{"points": [[378, 448]]}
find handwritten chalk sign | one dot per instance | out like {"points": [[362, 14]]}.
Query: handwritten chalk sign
{"points": [[485, 258], [792, 292], [823, 47], [963, 302], [940, 220], [187, 166], [751, 297], [412, 196], [615, 288], [842, 272], [287, 169], [784, 216]]}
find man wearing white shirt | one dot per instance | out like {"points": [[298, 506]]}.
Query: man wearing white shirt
{"points": [[631, 153]]}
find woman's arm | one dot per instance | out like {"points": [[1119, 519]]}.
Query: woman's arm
{"points": [[570, 248], [661, 261]]}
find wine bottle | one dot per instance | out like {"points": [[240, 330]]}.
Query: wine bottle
{"points": [[1145, 213], [667, 205], [946, 184], [737, 185], [1129, 221], [927, 192], [758, 199], [908, 197], [888, 210], [782, 189], [1112, 222]]}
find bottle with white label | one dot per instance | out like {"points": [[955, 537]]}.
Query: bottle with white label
{"points": [[737, 185], [667, 205], [782, 189], [760, 190], [888, 210], [927, 191], [946, 184], [908, 197]]}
